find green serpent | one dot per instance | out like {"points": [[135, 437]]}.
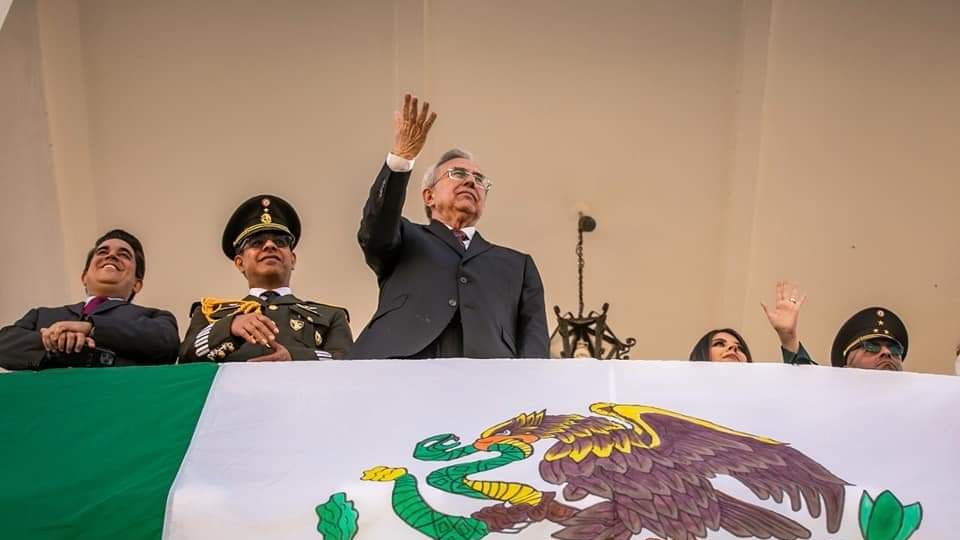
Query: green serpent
{"points": [[453, 479], [410, 506]]}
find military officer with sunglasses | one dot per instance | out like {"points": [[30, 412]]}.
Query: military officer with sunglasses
{"points": [[873, 338], [270, 323]]}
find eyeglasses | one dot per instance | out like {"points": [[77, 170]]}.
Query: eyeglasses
{"points": [[459, 174], [257, 241], [874, 346]]}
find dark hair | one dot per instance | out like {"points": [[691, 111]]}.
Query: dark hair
{"points": [[120, 234], [701, 351]]}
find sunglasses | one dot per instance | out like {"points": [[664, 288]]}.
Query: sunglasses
{"points": [[257, 241], [874, 346]]}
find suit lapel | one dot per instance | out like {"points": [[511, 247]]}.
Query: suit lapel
{"points": [[76, 309], [443, 233], [478, 245]]}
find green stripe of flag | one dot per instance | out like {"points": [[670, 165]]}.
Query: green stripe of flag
{"points": [[92, 453]]}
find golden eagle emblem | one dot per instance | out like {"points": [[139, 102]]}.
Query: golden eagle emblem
{"points": [[653, 469], [650, 468]]}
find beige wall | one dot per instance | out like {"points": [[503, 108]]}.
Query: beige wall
{"points": [[859, 178], [32, 269], [721, 146]]}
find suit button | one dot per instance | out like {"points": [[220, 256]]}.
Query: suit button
{"points": [[452, 302], [463, 279]]}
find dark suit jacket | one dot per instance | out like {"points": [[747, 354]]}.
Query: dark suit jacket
{"points": [[426, 277], [309, 330], [137, 334]]}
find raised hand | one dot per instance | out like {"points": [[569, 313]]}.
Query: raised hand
{"points": [[255, 328], [784, 317], [410, 127]]}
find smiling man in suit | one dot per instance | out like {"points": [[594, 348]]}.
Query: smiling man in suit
{"points": [[106, 329], [445, 291]]}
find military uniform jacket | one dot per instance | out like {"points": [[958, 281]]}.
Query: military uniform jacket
{"points": [[137, 334], [426, 277], [799, 358], [310, 331]]}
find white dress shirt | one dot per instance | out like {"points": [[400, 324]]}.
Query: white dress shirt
{"points": [[399, 164], [282, 291]]}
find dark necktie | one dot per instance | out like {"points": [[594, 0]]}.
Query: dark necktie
{"points": [[267, 296], [461, 236], [93, 304]]}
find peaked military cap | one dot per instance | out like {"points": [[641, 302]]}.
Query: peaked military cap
{"points": [[870, 323], [257, 214]]}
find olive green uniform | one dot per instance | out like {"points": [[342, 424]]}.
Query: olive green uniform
{"points": [[870, 323], [309, 330], [801, 357]]}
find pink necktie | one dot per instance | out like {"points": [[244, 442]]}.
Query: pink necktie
{"points": [[93, 304], [461, 236]]}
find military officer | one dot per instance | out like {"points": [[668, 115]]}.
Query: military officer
{"points": [[270, 323], [874, 338]]}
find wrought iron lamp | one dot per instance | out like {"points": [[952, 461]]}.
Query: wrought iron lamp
{"points": [[587, 335]]}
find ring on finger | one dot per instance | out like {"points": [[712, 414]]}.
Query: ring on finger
{"points": [[793, 299]]}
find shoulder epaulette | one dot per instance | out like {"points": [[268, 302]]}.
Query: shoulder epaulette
{"points": [[328, 306], [220, 307]]}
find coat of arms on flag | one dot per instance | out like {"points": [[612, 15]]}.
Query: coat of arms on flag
{"points": [[645, 469]]}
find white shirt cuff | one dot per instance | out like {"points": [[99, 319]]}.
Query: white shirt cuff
{"points": [[399, 164]]}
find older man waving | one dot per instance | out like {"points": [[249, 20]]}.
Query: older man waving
{"points": [[445, 291]]}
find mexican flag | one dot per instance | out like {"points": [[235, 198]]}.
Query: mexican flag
{"points": [[471, 449]]}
